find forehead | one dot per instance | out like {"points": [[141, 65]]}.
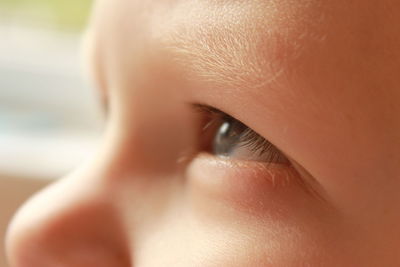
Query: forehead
{"points": [[250, 40], [229, 44]]}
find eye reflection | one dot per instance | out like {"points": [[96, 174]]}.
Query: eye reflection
{"points": [[227, 138]]}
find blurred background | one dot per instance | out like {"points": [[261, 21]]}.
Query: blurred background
{"points": [[50, 120]]}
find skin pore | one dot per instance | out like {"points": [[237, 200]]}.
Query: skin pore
{"points": [[317, 79]]}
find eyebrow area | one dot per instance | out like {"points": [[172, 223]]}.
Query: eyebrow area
{"points": [[236, 49]]}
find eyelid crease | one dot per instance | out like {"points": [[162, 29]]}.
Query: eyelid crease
{"points": [[207, 109]]}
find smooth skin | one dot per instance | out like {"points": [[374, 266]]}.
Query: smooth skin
{"points": [[318, 79]]}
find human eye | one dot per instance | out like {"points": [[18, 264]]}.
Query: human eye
{"points": [[239, 167], [226, 137]]}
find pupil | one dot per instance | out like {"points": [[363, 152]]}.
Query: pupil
{"points": [[227, 137]]}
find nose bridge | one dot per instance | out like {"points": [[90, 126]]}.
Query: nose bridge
{"points": [[68, 225], [150, 134]]}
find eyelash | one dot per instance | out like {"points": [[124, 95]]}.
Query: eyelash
{"points": [[250, 139]]}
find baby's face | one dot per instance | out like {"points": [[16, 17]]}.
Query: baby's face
{"points": [[299, 164]]}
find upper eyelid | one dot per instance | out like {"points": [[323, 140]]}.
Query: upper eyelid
{"points": [[208, 109], [214, 112]]}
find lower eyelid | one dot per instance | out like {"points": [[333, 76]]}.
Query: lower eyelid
{"points": [[247, 185]]}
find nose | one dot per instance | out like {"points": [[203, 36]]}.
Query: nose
{"points": [[71, 224]]}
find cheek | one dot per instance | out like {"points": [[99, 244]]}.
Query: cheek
{"points": [[189, 240], [253, 216]]}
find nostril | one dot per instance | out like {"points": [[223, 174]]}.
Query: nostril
{"points": [[82, 234]]}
